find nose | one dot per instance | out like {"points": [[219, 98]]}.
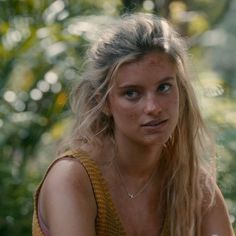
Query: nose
{"points": [[152, 105]]}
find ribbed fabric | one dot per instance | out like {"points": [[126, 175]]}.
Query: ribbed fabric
{"points": [[107, 220]]}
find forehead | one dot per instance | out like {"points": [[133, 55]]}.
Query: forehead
{"points": [[152, 64], [156, 59]]}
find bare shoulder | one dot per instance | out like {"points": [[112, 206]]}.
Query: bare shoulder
{"points": [[216, 219], [67, 174], [67, 201]]}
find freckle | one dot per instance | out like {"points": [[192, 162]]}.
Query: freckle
{"points": [[155, 62], [132, 116], [152, 61]]}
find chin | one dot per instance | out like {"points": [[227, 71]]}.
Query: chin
{"points": [[154, 141]]}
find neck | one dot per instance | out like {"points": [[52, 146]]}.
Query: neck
{"points": [[137, 161]]}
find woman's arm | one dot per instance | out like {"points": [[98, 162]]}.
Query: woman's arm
{"points": [[67, 201], [216, 220]]}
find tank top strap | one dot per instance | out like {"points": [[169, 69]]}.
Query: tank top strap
{"points": [[107, 220]]}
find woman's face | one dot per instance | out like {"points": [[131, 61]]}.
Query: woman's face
{"points": [[144, 100]]}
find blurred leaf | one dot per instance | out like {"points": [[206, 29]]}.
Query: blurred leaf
{"points": [[38, 37]]}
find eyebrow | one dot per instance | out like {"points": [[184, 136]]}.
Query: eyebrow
{"points": [[165, 79]]}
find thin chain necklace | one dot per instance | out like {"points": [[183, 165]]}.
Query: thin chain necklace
{"points": [[141, 190]]}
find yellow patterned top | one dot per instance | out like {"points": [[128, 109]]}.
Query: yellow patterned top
{"points": [[107, 220]]}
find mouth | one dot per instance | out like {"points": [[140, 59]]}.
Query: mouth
{"points": [[154, 123]]}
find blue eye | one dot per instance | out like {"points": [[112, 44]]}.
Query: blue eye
{"points": [[164, 88]]}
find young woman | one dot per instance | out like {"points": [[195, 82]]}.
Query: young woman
{"points": [[139, 160]]}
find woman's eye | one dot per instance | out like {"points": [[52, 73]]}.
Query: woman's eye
{"points": [[131, 94], [164, 88]]}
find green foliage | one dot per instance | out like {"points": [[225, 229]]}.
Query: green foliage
{"points": [[16, 200], [42, 48]]}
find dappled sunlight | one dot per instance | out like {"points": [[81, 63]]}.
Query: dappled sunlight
{"points": [[42, 49], [148, 5], [54, 10]]}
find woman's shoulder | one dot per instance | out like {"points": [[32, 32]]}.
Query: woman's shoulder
{"points": [[66, 168], [68, 171], [66, 186], [216, 218]]}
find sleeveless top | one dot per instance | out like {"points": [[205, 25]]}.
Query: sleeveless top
{"points": [[107, 219]]}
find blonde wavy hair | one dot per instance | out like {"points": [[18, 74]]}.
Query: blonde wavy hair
{"points": [[186, 156]]}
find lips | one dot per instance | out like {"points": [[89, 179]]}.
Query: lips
{"points": [[154, 123]]}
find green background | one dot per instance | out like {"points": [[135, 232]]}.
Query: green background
{"points": [[42, 46]]}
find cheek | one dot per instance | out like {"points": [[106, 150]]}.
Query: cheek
{"points": [[133, 116], [127, 112], [123, 111], [173, 105], [175, 108]]}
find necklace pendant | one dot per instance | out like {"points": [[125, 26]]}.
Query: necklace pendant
{"points": [[130, 195]]}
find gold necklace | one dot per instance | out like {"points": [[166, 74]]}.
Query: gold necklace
{"points": [[141, 190]]}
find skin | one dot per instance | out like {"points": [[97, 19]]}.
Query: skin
{"points": [[144, 103], [144, 91], [216, 220]]}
